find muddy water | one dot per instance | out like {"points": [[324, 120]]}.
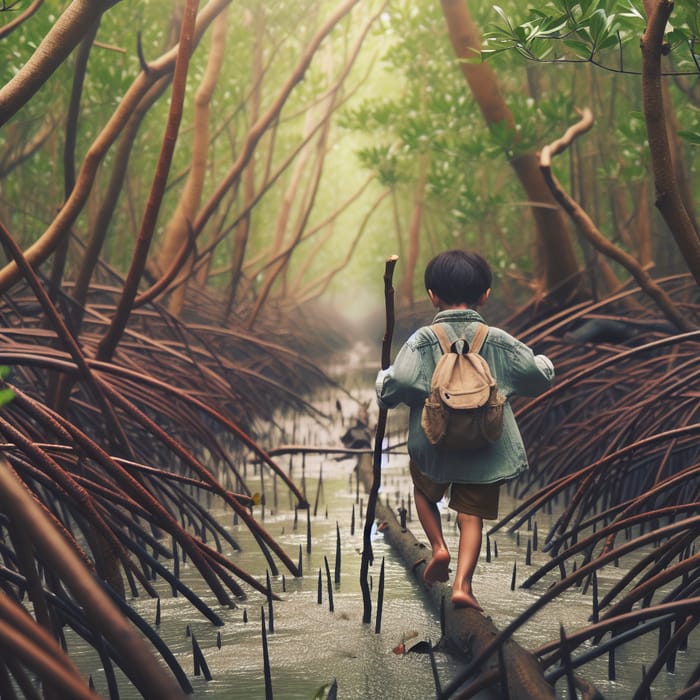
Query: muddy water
{"points": [[311, 646]]}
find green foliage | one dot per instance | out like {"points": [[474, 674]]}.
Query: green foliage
{"points": [[586, 30], [384, 162], [580, 37], [692, 137], [6, 395], [604, 32]]}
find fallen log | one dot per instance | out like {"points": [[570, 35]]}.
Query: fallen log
{"points": [[466, 632]]}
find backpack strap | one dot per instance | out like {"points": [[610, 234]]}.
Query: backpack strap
{"points": [[441, 335], [479, 337]]}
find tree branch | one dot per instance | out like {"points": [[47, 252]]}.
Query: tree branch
{"points": [[57, 45], [594, 236], [110, 340], [668, 199]]}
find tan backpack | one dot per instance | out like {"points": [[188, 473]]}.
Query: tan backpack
{"points": [[464, 409]]}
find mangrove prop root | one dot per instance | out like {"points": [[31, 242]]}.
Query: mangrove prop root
{"points": [[144, 669]]}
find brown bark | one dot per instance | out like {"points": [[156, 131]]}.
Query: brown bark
{"points": [[177, 231], [66, 33], [275, 257], [258, 263], [71, 137], [109, 341], [242, 232], [680, 166], [36, 649], [326, 108], [560, 268], [115, 432], [258, 129], [13, 24], [630, 226], [262, 127], [100, 227], [282, 261], [634, 226], [668, 198]]}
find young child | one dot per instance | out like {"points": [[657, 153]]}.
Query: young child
{"points": [[458, 282]]}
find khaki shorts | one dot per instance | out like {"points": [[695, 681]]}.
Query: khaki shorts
{"points": [[473, 499]]}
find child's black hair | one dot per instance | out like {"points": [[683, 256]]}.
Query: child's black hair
{"points": [[458, 276]]}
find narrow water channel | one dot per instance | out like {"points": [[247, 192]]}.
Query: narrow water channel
{"points": [[311, 646]]}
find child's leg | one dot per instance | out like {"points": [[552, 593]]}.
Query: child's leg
{"points": [[473, 503], [470, 527], [426, 495], [437, 568]]}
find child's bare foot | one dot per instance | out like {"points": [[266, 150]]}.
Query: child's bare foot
{"points": [[437, 568], [462, 599]]}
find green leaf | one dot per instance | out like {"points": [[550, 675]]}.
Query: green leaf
{"points": [[580, 48], [678, 36], [6, 395], [691, 137], [585, 7], [499, 11], [633, 11], [597, 25], [490, 53], [609, 42], [553, 26]]}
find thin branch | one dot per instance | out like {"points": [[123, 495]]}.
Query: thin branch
{"points": [[109, 342], [596, 238]]}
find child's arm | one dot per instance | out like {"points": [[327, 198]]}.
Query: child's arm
{"points": [[404, 381], [530, 374]]}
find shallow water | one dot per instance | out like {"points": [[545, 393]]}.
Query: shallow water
{"points": [[312, 646]]}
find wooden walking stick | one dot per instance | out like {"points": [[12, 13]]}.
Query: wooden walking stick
{"points": [[367, 556]]}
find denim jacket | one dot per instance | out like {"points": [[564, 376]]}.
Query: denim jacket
{"points": [[517, 371]]}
